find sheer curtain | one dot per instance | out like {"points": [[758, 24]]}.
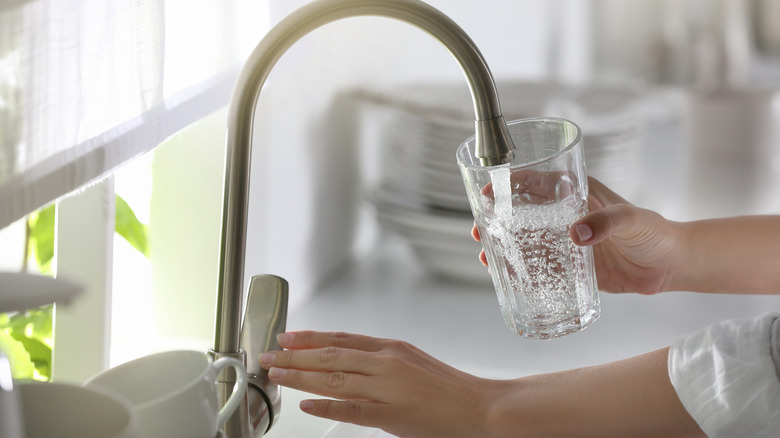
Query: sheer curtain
{"points": [[87, 85]]}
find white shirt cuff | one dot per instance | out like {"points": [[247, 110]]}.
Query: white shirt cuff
{"points": [[726, 377]]}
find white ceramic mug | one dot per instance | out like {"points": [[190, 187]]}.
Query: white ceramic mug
{"points": [[174, 394], [71, 411]]}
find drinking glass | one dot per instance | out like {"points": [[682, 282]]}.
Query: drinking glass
{"points": [[546, 285]]}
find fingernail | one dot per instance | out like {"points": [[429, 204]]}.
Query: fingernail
{"points": [[276, 373], [284, 338], [583, 232], [306, 405], [267, 358]]}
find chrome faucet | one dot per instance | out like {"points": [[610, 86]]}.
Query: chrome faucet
{"points": [[266, 305]]}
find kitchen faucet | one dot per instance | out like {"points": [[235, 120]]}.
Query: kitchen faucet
{"points": [[266, 304]]}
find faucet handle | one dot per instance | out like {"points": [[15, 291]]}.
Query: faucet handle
{"points": [[264, 318]]}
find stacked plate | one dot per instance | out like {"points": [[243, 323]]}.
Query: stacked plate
{"points": [[419, 159], [420, 195], [440, 238]]}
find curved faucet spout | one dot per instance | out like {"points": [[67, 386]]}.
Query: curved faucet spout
{"points": [[494, 145], [490, 127]]}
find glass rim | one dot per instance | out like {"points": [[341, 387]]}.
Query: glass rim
{"points": [[577, 139]]}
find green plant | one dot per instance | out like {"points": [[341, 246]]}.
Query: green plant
{"points": [[27, 337]]}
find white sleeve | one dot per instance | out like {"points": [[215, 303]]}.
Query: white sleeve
{"points": [[727, 378]]}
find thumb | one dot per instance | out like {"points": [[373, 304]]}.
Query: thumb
{"points": [[596, 227]]}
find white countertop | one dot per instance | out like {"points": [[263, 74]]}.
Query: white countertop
{"points": [[388, 295]]}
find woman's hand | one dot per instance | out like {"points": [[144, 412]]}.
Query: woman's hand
{"points": [[635, 250], [381, 383], [396, 387]]}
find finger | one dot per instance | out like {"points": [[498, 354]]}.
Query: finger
{"points": [[311, 339], [581, 234], [487, 190], [321, 359], [596, 227], [335, 384], [475, 233], [483, 257], [362, 413]]}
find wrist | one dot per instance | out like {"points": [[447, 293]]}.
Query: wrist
{"points": [[683, 272], [728, 255], [507, 414]]}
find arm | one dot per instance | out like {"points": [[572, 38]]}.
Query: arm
{"points": [[396, 387], [738, 254], [632, 397]]}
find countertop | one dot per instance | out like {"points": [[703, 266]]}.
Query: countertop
{"points": [[387, 294]]}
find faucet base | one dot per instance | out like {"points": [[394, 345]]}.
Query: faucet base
{"points": [[265, 317], [253, 418]]}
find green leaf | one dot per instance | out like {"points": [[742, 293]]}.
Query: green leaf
{"points": [[42, 237], [34, 323], [129, 227], [22, 367], [42, 320], [40, 355], [31, 332]]}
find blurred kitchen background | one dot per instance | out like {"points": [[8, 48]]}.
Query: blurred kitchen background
{"points": [[356, 197]]}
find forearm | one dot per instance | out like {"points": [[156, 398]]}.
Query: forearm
{"points": [[729, 255], [632, 397]]}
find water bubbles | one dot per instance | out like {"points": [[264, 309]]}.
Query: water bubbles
{"points": [[538, 259]]}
